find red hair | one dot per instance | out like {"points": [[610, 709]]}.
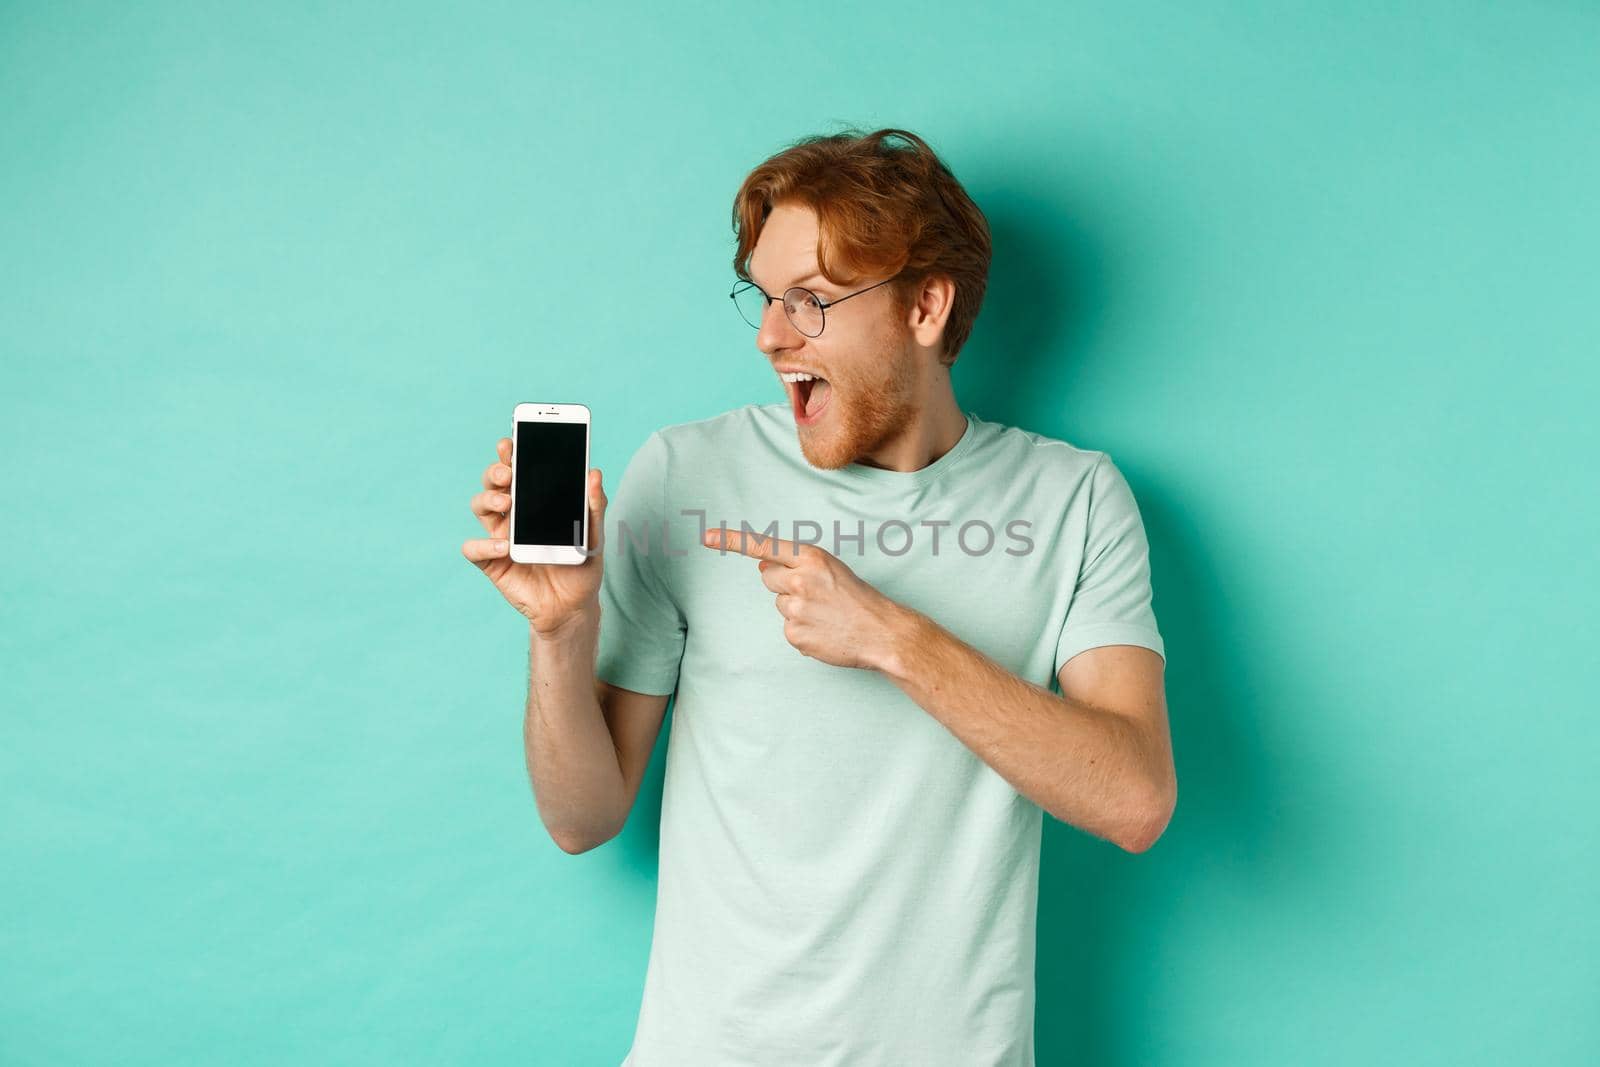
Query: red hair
{"points": [[882, 210]]}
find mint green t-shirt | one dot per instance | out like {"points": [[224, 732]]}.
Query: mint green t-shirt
{"points": [[842, 881]]}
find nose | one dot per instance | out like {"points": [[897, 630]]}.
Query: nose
{"points": [[777, 332]]}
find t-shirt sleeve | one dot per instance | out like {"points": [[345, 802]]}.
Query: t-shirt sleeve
{"points": [[642, 627], [1111, 604]]}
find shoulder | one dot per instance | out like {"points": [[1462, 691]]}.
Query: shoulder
{"points": [[1085, 483], [732, 432], [1051, 462]]}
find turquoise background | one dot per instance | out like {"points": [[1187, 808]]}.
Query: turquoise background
{"points": [[1320, 277]]}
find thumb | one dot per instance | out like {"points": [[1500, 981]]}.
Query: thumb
{"points": [[597, 511]]}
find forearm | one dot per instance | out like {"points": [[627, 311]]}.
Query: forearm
{"points": [[572, 759], [1087, 767]]}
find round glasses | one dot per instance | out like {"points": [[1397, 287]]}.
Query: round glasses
{"points": [[806, 310]]}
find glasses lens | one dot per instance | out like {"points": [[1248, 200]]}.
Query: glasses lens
{"points": [[804, 310], [748, 299]]}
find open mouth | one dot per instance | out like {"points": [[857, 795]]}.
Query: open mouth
{"points": [[809, 397]]}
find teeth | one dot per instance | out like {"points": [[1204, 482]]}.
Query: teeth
{"points": [[798, 376]]}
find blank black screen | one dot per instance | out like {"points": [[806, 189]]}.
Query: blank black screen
{"points": [[550, 482]]}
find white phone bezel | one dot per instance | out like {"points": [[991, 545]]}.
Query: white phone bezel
{"points": [[529, 412]]}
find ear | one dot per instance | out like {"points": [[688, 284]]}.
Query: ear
{"points": [[931, 310]]}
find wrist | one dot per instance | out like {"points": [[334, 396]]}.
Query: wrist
{"points": [[577, 626], [904, 632]]}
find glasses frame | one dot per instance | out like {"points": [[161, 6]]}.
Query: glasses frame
{"points": [[745, 284]]}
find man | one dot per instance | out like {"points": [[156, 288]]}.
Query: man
{"points": [[860, 597]]}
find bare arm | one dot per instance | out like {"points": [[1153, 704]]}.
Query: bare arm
{"points": [[1097, 757], [587, 742]]}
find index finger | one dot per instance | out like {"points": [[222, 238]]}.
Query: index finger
{"points": [[755, 545]]}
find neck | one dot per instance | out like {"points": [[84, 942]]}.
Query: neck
{"points": [[932, 431]]}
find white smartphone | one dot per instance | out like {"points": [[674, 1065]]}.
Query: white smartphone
{"points": [[549, 483]]}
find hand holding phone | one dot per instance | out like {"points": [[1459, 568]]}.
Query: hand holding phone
{"points": [[544, 512]]}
